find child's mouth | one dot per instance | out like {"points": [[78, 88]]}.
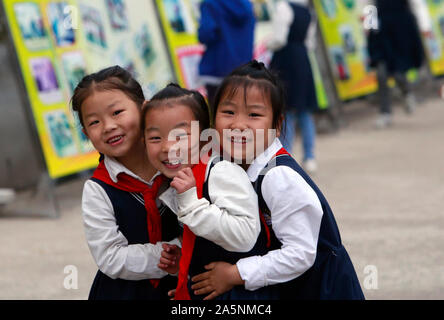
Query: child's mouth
{"points": [[240, 140], [173, 164], [115, 140]]}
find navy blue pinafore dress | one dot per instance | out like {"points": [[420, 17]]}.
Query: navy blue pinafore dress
{"points": [[332, 276], [292, 64], [131, 218]]}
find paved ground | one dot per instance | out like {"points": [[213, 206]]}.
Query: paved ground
{"points": [[385, 187]]}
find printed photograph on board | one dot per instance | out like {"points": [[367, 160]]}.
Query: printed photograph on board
{"points": [[117, 14], [60, 133], [59, 20], [177, 16], [30, 23], [74, 68], [144, 45], [93, 26], [341, 69], [46, 80]]}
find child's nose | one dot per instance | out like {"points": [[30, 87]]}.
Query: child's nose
{"points": [[109, 125], [239, 123]]}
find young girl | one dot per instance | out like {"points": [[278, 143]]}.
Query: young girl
{"points": [[308, 258], [123, 226], [213, 199]]}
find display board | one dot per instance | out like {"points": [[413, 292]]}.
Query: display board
{"points": [[58, 42], [345, 42], [180, 20], [435, 43]]}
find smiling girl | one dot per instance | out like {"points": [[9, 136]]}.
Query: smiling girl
{"points": [[123, 226]]}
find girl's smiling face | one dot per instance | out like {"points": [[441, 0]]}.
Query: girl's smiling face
{"points": [[169, 144], [248, 116], [112, 123]]}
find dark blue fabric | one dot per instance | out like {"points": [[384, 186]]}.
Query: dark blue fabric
{"points": [[227, 30], [132, 222], [292, 64], [332, 277], [205, 252], [397, 41]]}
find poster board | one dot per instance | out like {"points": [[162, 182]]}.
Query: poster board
{"points": [[345, 42], [434, 45], [57, 42], [179, 19]]}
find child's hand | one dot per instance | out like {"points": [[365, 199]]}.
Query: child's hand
{"points": [[220, 278], [184, 180], [169, 258], [172, 294]]}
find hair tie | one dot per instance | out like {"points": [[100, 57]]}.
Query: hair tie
{"points": [[257, 65]]}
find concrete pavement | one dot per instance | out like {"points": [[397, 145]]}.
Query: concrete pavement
{"points": [[385, 187]]}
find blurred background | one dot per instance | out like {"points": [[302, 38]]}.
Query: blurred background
{"points": [[382, 180]]}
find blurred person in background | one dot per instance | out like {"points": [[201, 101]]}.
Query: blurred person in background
{"points": [[227, 30], [395, 47], [294, 31]]}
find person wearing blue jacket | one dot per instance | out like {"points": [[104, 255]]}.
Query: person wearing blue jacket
{"points": [[227, 30]]}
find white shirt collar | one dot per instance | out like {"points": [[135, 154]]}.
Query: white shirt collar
{"points": [[261, 161], [114, 167]]}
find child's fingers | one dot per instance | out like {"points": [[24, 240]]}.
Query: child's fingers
{"points": [[201, 277], [210, 266], [168, 262], [211, 296], [188, 172], [200, 285]]}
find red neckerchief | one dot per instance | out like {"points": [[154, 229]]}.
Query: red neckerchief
{"points": [[129, 184], [188, 240]]}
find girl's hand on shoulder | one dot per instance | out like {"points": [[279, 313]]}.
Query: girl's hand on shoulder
{"points": [[184, 180], [220, 278]]}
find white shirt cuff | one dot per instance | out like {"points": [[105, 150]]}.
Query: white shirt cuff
{"points": [[251, 272]]}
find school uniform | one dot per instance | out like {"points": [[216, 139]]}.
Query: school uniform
{"points": [[214, 228], [293, 31], [313, 264], [116, 228]]}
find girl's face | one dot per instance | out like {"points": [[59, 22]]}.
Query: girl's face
{"points": [[112, 123], [170, 146], [248, 116]]}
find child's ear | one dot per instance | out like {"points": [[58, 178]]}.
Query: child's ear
{"points": [[279, 126]]}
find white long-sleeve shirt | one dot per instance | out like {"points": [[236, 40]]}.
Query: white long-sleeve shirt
{"points": [[109, 247], [232, 219], [296, 215], [282, 18]]}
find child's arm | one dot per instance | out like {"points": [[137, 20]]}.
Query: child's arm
{"points": [[231, 220], [296, 214], [109, 247], [296, 217]]}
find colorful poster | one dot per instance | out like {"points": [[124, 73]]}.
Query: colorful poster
{"points": [[434, 44], [345, 42], [58, 42]]}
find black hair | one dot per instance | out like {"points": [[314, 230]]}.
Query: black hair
{"points": [[251, 74], [173, 93], [112, 78]]}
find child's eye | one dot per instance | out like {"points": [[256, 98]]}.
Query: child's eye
{"points": [[255, 115], [115, 113], [93, 123], [228, 112], [154, 139]]}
